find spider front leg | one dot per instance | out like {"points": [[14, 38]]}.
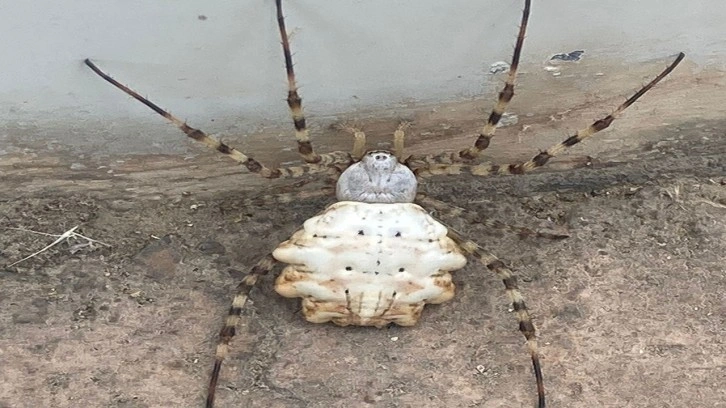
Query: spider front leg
{"points": [[505, 96], [326, 164], [304, 146], [424, 169], [229, 329], [294, 101], [520, 308]]}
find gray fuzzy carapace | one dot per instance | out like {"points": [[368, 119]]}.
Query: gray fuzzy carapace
{"points": [[377, 178]]}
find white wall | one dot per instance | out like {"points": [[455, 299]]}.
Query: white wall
{"points": [[350, 54]]}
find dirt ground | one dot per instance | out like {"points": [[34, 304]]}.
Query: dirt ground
{"points": [[630, 308]]}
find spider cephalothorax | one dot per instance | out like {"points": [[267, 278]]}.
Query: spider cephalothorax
{"points": [[377, 178], [376, 256]]}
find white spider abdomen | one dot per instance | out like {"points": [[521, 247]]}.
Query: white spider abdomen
{"points": [[368, 264]]}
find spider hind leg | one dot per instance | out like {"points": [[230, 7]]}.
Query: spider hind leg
{"points": [[229, 329], [526, 326]]}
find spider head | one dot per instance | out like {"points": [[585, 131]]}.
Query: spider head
{"points": [[377, 178]]}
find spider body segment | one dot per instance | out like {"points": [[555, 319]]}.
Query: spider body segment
{"points": [[376, 256], [368, 264]]}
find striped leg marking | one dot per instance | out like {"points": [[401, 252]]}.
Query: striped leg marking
{"points": [[427, 170], [520, 308], [323, 165], [304, 146], [505, 96], [487, 132], [229, 329]]}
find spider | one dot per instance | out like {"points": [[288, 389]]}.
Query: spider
{"points": [[376, 256]]}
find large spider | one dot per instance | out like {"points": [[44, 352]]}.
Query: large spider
{"points": [[376, 256]]}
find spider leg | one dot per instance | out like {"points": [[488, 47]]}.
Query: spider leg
{"points": [[427, 170], [510, 284], [359, 141], [229, 329], [398, 140], [304, 146], [446, 210], [324, 165], [505, 96]]}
